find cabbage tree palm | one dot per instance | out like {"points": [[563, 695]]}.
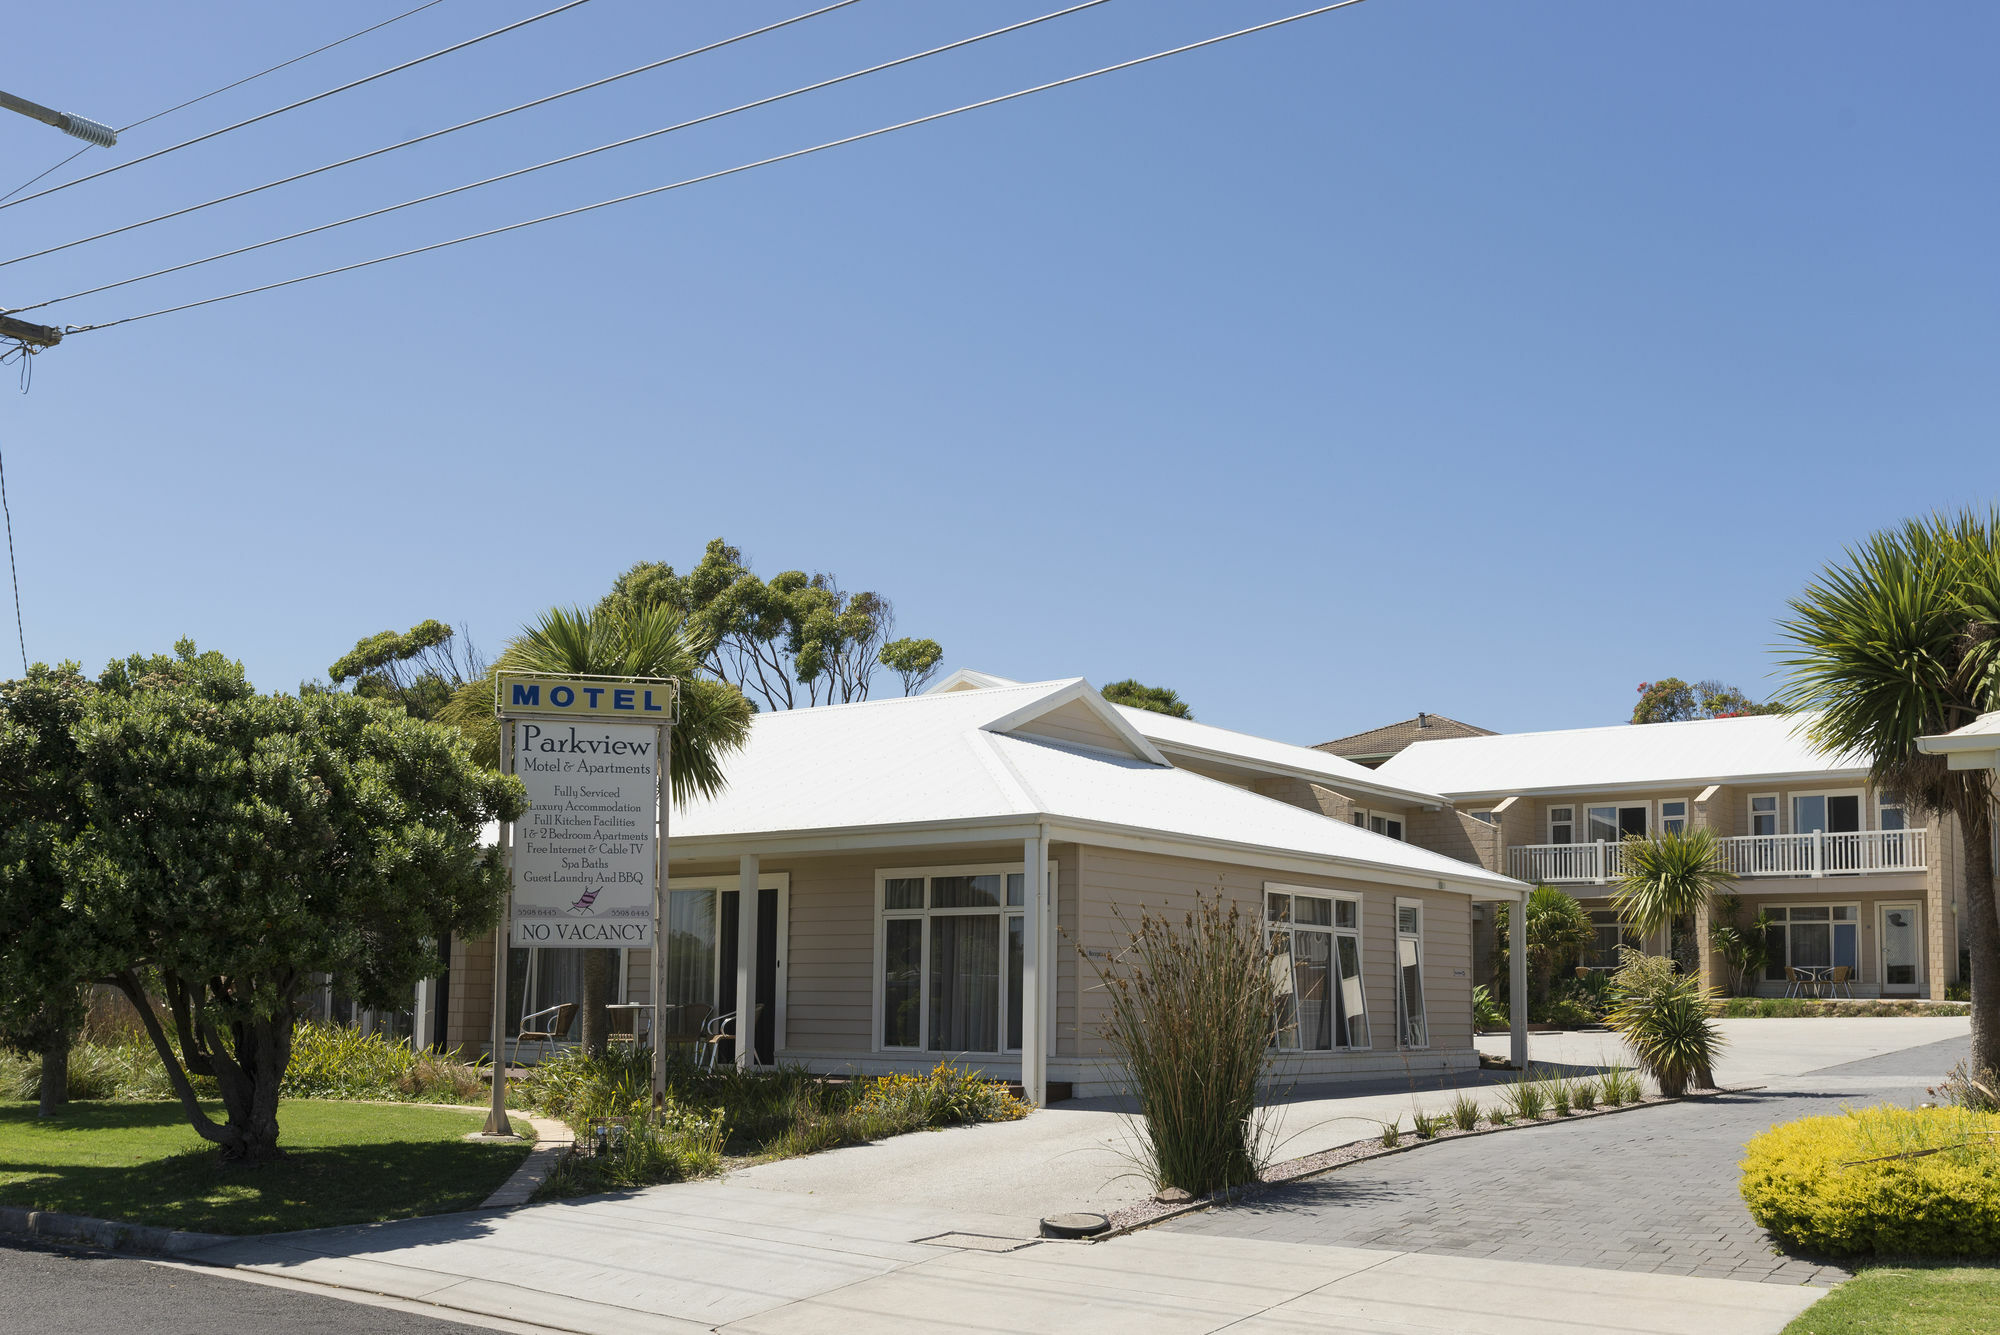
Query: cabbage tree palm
{"points": [[1559, 930], [1895, 642], [628, 641], [1668, 878]]}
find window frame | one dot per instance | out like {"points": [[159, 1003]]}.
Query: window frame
{"points": [[1686, 818], [923, 914], [1776, 813], [1569, 821], [1785, 924], [1826, 795], [1367, 820], [1423, 994], [1358, 932], [1617, 810]]}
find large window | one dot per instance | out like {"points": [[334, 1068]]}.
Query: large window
{"points": [[951, 952], [1812, 936], [1316, 970], [1412, 1028], [1610, 824], [1608, 934], [1380, 822]]}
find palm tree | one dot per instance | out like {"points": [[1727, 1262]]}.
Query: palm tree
{"points": [[1559, 929], [1668, 878], [1897, 642], [626, 642]]}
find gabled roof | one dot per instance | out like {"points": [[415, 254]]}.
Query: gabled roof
{"points": [[1203, 742], [1390, 738], [1974, 746], [1622, 756], [969, 758]]}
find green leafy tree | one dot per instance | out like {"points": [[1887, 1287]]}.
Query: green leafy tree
{"points": [[1744, 949], [46, 960], [1137, 695], [626, 640], [915, 661], [1559, 931], [1671, 700], [1667, 877], [418, 669], [236, 848], [796, 639], [1898, 640]]}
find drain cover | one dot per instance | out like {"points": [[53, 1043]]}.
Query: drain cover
{"points": [[977, 1242], [1074, 1225]]}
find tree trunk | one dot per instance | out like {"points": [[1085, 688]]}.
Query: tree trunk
{"points": [[55, 1075], [600, 971], [1982, 929], [249, 1078]]}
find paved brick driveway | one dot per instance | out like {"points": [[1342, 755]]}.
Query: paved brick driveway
{"points": [[1653, 1189]]}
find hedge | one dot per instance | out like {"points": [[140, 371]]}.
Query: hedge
{"points": [[1883, 1182]]}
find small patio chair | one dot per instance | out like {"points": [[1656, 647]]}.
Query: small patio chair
{"points": [[1843, 975], [722, 1029], [554, 1027], [687, 1026], [1793, 983]]}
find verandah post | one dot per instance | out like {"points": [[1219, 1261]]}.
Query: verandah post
{"points": [[1034, 1053], [1517, 983], [746, 961]]}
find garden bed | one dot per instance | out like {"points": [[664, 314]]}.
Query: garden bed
{"points": [[344, 1163], [1801, 1008]]}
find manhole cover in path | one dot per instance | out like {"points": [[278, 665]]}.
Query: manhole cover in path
{"points": [[977, 1242]]}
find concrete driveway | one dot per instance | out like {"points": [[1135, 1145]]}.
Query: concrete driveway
{"points": [[935, 1232]]}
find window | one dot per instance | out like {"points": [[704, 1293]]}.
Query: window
{"points": [[1486, 817], [1381, 822], [1562, 825], [1611, 824], [1764, 814], [1412, 1030], [1316, 970], [1674, 816], [1812, 936], [952, 960], [1889, 815], [1609, 934]]}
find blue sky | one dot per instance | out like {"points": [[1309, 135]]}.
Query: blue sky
{"points": [[1480, 359]]}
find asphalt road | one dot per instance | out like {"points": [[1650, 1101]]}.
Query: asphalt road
{"points": [[49, 1292]]}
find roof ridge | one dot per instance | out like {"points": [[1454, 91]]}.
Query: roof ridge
{"points": [[1601, 727], [959, 697]]}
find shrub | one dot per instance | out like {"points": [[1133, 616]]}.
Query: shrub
{"points": [[681, 1143], [1962, 1089], [1392, 1133], [338, 1061], [1883, 1182], [1191, 1008], [1427, 1125], [1664, 1018], [1499, 1116], [1464, 1113], [1526, 1098], [1486, 1012], [1565, 1013], [1620, 1085], [1585, 1094], [1561, 1095]]}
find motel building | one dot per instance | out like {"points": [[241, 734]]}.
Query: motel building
{"points": [[895, 882]]}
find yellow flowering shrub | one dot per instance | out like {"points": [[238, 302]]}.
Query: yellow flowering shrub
{"points": [[1880, 1181]]}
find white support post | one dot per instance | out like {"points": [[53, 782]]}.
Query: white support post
{"points": [[1034, 898], [496, 1108], [1819, 853], [1517, 982], [746, 962], [657, 981]]}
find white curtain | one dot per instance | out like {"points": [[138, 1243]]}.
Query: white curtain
{"points": [[965, 984]]}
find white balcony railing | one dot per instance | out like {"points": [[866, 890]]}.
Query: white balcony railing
{"points": [[1816, 854]]}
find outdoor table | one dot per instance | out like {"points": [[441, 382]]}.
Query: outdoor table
{"points": [[636, 1007], [1815, 977]]}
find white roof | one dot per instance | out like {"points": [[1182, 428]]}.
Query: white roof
{"points": [[1202, 741], [1644, 755], [945, 758], [1974, 746]]}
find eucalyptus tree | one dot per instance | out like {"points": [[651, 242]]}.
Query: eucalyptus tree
{"points": [[1897, 641]]}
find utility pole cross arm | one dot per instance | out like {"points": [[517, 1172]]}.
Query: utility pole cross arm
{"points": [[34, 335]]}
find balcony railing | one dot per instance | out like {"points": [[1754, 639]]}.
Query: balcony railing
{"points": [[1817, 854]]}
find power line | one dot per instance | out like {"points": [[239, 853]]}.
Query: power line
{"points": [[569, 157], [248, 78], [737, 170], [436, 134], [304, 101], [19, 630]]}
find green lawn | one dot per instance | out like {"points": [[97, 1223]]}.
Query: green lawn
{"points": [[1890, 1300], [346, 1163]]}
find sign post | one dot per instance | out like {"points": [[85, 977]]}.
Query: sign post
{"points": [[587, 863]]}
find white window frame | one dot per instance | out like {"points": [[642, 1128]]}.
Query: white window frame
{"points": [[1776, 813], [883, 915], [1423, 993], [1829, 905], [1885, 802], [1616, 809], [1860, 797], [781, 881], [1554, 821], [1358, 932], [1686, 818], [1367, 819]]}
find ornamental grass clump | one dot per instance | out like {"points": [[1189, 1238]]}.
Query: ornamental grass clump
{"points": [[1584, 1092], [1191, 1006], [1880, 1182], [1464, 1112], [1620, 1086], [1666, 1019]]}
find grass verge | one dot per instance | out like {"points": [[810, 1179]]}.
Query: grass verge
{"points": [[345, 1163], [1895, 1300]]}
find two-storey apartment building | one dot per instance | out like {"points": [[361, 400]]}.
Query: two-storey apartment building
{"points": [[1846, 875]]}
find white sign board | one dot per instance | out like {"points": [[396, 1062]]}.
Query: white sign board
{"points": [[583, 854]]}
